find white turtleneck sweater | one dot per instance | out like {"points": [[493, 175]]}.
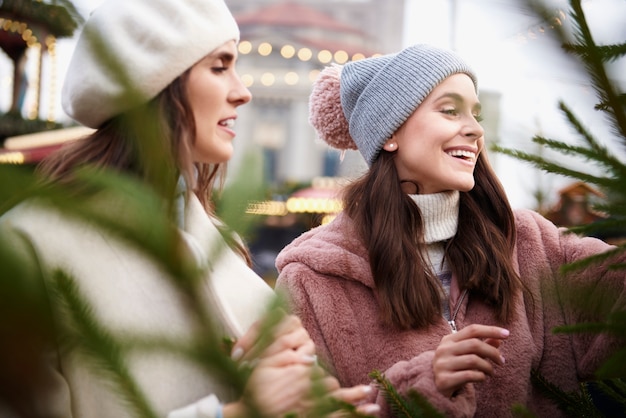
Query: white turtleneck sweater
{"points": [[440, 217]]}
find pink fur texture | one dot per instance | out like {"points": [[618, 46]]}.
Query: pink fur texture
{"points": [[325, 111]]}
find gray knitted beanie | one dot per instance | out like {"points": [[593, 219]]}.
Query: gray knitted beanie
{"points": [[362, 104]]}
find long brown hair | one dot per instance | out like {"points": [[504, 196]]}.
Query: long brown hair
{"points": [[480, 254], [153, 142]]}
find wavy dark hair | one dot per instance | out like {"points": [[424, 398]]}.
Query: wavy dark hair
{"points": [[480, 254], [152, 142]]}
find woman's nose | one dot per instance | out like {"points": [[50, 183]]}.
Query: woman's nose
{"points": [[240, 93], [473, 128]]}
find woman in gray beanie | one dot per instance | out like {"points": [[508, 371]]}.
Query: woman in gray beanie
{"points": [[428, 275], [156, 80]]}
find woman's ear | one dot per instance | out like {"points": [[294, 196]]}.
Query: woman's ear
{"points": [[391, 145]]}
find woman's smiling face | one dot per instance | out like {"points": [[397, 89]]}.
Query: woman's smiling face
{"points": [[214, 91], [438, 146]]}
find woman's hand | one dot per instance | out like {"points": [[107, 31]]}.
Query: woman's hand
{"points": [[287, 334], [357, 396], [285, 375], [467, 356], [284, 369], [283, 383]]}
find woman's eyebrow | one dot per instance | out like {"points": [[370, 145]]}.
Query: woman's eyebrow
{"points": [[226, 56]]}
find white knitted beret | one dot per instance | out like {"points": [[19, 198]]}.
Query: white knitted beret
{"points": [[130, 50]]}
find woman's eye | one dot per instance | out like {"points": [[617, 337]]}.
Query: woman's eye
{"points": [[219, 70], [451, 112], [479, 118]]}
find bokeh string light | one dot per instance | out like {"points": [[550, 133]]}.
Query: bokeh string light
{"points": [[288, 76], [533, 32]]}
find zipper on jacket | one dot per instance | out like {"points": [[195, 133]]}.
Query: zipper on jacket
{"points": [[452, 320]]}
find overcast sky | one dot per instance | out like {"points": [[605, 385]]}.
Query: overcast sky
{"points": [[511, 56]]}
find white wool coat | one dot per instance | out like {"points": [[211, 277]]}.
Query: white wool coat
{"points": [[130, 293]]}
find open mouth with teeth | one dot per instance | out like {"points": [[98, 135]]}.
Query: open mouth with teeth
{"points": [[463, 155], [229, 123]]}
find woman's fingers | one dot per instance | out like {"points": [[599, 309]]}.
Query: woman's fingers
{"points": [[353, 395], [479, 331], [286, 358], [287, 334], [478, 348], [294, 339], [280, 390], [469, 362], [481, 340], [357, 396], [494, 342], [467, 356], [246, 341], [448, 382]]}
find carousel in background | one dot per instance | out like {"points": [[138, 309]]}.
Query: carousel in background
{"points": [[29, 30]]}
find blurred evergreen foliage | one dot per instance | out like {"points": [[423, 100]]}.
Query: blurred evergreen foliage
{"points": [[607, 395]]}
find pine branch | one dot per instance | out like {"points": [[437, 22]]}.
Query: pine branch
{"points": [[598, 156], [593, 62], [599, 152], [555, 168], [144, 226], [414, 405], [601, 227], [614, 367], [615, 389], [602, 105], [615, 207], [18, 184], [591, 260], [591, 56], [607, 53], [572, 404], [520, 411], [565, 148], [81, 329], [590, 328]]}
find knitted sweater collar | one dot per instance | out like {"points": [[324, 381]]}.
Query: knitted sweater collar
{"points": [[440, 214]]}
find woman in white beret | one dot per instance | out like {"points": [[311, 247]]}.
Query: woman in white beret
{"points": [[162, 69], [428, 275]]}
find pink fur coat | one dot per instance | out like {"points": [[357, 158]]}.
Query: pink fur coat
{"points": [[326, 275]]}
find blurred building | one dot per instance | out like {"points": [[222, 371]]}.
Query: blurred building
{"points": [[575, 207], [284, 44]]}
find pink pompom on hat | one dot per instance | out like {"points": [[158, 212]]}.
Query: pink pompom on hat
{"points": [[325, 111]]}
